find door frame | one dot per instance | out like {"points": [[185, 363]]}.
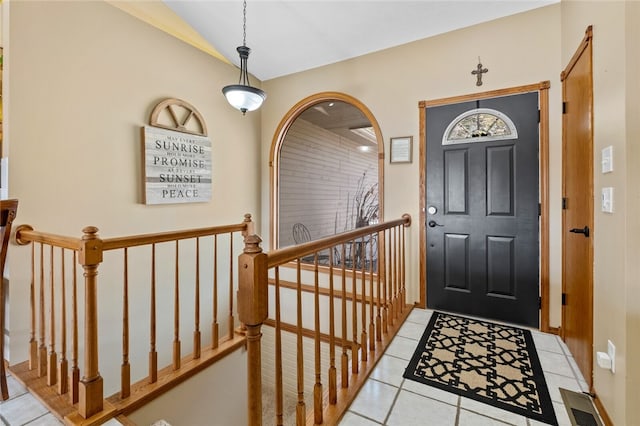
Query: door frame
{"points": [[543, 151]]}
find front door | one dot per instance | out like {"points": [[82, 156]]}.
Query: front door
{"points": [[482, 208], [577, 223]]}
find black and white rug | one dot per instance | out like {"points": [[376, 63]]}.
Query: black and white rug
{"points": [[491, 363]]}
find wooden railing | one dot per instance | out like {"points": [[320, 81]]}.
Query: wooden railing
{"points": [[345, 297], [72, 386], [358, 307]]}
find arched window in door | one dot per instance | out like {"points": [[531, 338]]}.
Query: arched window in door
{"points": [[479, 125], [326, 169]]}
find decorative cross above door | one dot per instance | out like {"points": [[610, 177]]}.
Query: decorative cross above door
{"points": [[478, 72]]}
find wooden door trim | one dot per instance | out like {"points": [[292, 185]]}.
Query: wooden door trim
{"points": [[543, 148], [584, 47], [588, 36]]}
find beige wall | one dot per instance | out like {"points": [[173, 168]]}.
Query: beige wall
{"points": [[222, 404], [83, 78], [519, 50], [632, 390], [616, 314]]}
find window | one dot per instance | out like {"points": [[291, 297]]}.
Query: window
{"points": [[479, 125]]}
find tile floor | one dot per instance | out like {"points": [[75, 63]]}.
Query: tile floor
{"points": [[387, 398], [23, 409]]}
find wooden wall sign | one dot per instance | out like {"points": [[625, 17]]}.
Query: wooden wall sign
{"points": [[176, 155]]}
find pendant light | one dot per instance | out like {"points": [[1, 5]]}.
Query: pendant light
{"points": [[243, 96]]}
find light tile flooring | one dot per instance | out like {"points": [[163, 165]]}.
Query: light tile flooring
{"points": [[387, 398], [23, 409]]}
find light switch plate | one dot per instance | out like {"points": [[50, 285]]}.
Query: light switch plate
{"points": [[607, 159], [607, 200]]}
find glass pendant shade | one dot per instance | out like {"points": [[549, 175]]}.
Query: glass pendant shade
{"points": [[243, 96]]}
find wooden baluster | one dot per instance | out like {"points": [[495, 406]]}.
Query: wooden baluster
{"points": [[364, 354], [278, 332], [404, 258], [75, 370], [91, 385], [401, 298], [345, 357], [354, 311], [231, 321], [63, 366], [153, 354], [42, 349], [333, 385], [215, 329], [379, 290], [317, 388], [197, 341], [253, 307], [176, 312], [301, 410], [52, 367], [125, 368], [391, 307], [372, 335], [33, 344], [385, 300], [396, 283]]}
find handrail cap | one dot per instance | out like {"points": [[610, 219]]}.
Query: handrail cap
{"points": [[19, 229]]}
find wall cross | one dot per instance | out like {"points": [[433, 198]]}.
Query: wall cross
{"points": [[478, 73]]}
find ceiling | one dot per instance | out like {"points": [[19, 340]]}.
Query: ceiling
{"points": [[342, 119], [288, 36]]}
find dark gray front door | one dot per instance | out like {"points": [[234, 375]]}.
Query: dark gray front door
{"points": [[482, 213]]}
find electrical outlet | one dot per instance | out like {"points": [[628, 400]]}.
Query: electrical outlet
{"points": [[611, 350]]}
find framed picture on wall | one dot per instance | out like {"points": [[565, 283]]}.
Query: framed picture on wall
{"points": [[401, 149]]}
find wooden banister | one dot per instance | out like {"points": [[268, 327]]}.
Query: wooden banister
{"points": [[358, 304], [289, 254], [371, 308], [91, 394], [165, 237], [81, 394], [253, 309]]}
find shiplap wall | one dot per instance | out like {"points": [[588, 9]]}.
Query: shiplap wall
{"points": [[319, 174]]}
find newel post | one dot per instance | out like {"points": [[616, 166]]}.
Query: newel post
{"points": [[90, 387], [253, 311]]}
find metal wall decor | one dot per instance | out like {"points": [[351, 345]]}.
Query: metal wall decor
{"points": [[478, 72]]}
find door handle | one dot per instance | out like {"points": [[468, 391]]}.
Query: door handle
{"points": [[433, 224], [584, 231]]}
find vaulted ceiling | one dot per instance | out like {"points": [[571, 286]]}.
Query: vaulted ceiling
{"points": [[288, 36]]}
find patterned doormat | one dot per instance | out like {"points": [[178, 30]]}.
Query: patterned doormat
{"points": [[487, 362]]}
